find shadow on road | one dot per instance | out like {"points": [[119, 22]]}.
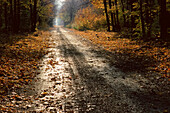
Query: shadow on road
{"points": [[99, 95]]}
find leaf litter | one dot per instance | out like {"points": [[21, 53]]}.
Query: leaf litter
{"points": [[19, 61]]}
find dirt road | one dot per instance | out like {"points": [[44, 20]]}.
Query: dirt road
{"points": [[78, 77]]}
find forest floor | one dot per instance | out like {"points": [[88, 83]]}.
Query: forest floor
{"points": [[64, 70]]}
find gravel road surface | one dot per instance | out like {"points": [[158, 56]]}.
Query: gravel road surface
{"points": [[78, 77]]}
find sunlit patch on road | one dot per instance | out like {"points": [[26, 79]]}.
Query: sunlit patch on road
{"points": [[55, 83]]}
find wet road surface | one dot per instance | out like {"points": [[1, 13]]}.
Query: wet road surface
{"points": [[77, 77]]}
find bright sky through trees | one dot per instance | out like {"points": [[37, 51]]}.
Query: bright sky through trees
{"points": [[59, 3]]}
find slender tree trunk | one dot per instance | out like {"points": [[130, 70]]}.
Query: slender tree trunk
{"points": [[142, 19], [72, 11], [148, 19], [6, 17], [163, 26], [35, 16], [132, 17], [151, 3], [18, 15], [107, 16], [117, 16], [71, 15], [0, 15], [15, 29], [31, 16], [127, 7], [112, 21], [11, 16], [123, 10], [114, 17]]}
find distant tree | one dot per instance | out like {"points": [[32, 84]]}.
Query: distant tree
{"points": [[123, 10], [127, 16], [132, 22], [117, 16], [107, 16], [148, 17], [6, 16], [18, 15], [142, 19], [112, 15], [70, 8], [11, 18]]}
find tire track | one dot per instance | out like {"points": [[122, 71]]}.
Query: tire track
{"points": [[100, 88], [93, 93]]}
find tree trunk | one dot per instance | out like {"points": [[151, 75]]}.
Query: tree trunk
{"points": [[163, 26], [117, 16], [72, 11], [31, 16], [107, 16], [112, 21], [15, 29], [142, 19], [6, 17], [34, 18], [11, 16], [114, 16], [127, 7], [0, 15], [18, 15], [148, 19], [132, 17], [123, 10]]}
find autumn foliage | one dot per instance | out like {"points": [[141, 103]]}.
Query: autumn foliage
{"points": [[89, 18], [146, 20]]}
